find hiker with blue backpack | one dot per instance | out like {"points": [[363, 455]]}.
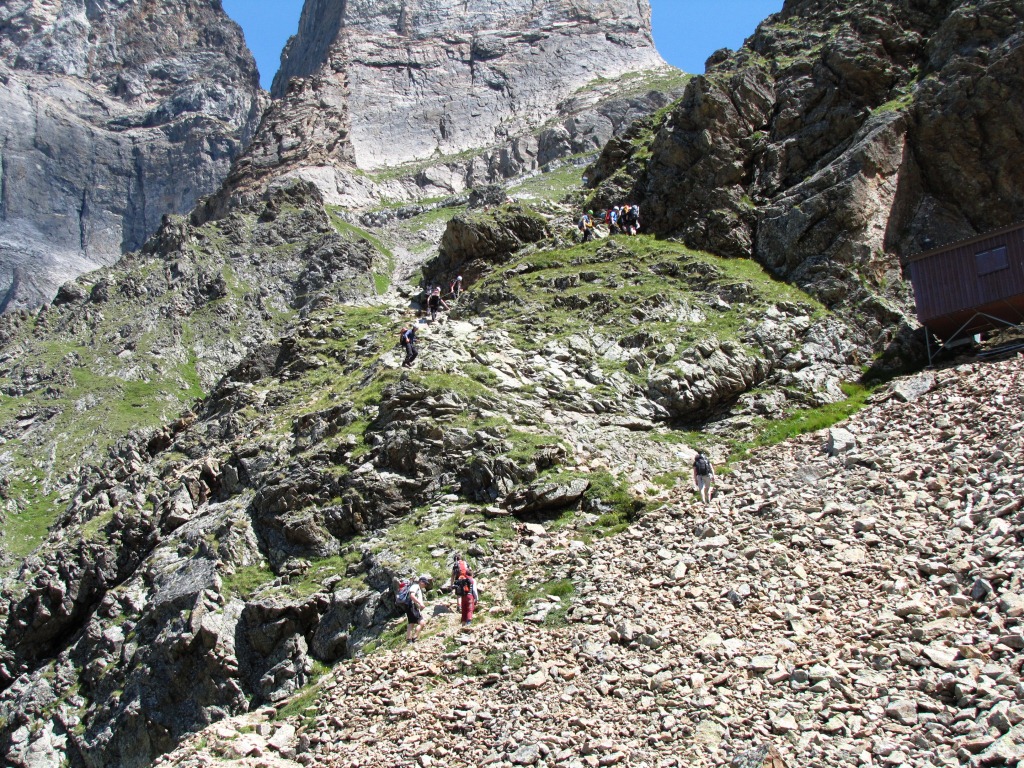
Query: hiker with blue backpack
{"points": [[407, 338], [411, 597]]}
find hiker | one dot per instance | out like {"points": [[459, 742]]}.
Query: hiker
{"points": [[455, 289], [586, 226], [412, 597], [613, 220], [464, 586], [703, 472], [629, 220], [407, 338], [434, 303]]}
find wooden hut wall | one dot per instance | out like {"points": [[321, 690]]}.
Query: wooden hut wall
{"points": [[948, 281]]}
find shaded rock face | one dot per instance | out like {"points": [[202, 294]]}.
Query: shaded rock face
{"points": [[473, 243], [112, 115], [837, 139], [378, 85]]}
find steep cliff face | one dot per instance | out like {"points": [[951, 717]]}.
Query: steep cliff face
{"points": [[112, 115], [838, 138], [369, 86]]}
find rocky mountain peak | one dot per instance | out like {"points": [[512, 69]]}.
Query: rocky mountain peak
{"points": [[376, 86], [114, 115], [839, 138]]}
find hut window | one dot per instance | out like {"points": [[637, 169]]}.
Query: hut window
{"points": [[992, 261]]}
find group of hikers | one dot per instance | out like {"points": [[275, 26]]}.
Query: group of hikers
{"points": [[619, 220], [411, 596], [433, 304]]}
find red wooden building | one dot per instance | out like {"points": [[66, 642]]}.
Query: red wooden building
{"points": [[971, 286]]}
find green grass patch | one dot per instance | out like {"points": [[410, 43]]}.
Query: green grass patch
{"points": [[804, 421], [320, 570], [526, 444], [672, 479], [900, 102], [621, 508], [25, 528], [409, 543], [496, 662], [94, 528], [352, 232], [521, 594], [620, 286], [303, 706], [553, 185], [245, 582]]}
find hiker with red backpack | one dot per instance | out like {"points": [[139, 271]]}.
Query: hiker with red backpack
{"points": [[464, 586], [411, 597]]}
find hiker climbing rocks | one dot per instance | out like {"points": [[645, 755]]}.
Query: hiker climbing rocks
{"points": [[629, 219], [586, 226], [412, 597], [455, 289], [612, 220], [464, 586], [407, 338], [703, 473], [434, 303]]}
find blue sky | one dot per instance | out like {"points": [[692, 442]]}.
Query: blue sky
{"points": [[686, 31]]}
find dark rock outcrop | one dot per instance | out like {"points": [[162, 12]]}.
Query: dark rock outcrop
{"points": [[474, 243], [839, 138]]}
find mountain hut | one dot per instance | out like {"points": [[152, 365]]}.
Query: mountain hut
{"points": [[971, 286]]}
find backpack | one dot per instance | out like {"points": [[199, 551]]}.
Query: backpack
{"points": [[405, 336], [702, 465], [463, 587], [462, 580], [402, 597]]}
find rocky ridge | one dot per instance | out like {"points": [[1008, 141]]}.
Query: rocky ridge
{"points": [[838, 139], [313, 457], [852, 596], [410, 100], [250, 544], [131, 346], [114, 115]]}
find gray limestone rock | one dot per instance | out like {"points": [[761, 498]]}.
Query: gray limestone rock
{"points": [[470, 92], [112, 115]]}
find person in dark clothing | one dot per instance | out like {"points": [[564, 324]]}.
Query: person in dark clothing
{"points": [[434, 303], [630, 219], [586, 226], [408, 339], [703, 476], [455, 289]]}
